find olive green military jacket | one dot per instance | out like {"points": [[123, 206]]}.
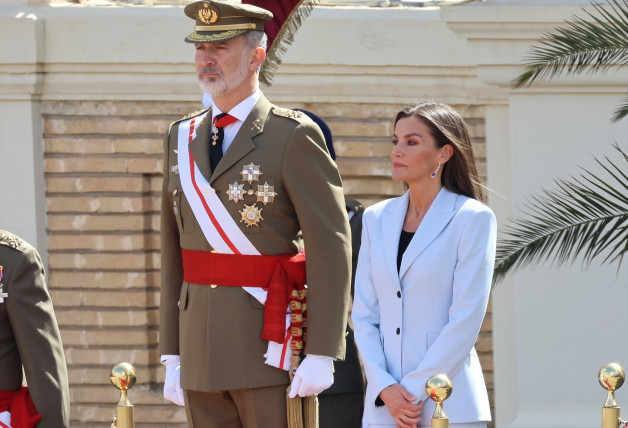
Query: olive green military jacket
{"points": [[216, 331], [29, 334]]}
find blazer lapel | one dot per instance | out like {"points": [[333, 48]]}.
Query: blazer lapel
{"points": [[438, 216], [243, 141], [392, 223], [199, 147]]}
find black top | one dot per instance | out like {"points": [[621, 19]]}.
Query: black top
{"points": [[404, 241]]}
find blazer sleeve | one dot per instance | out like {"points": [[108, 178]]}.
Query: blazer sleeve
{"points": [[366, 319], [470, 293], [36, 332], [171, 265], [314, 187]]}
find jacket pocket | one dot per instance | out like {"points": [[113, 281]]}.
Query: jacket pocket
{"points": [[183, 297]]}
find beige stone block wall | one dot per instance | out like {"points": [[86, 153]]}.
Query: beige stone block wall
{"points": [[103, 164]]}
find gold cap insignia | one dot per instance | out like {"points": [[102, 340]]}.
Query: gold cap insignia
{"points": [[266, 193], [207, 15], [251, 215]]}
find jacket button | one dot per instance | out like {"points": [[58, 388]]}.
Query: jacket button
{"points": [[398, 330], [179, 303], [399, 294]]}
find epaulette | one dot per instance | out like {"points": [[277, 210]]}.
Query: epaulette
{"points": [[286, 112], [189, 115], [10, 240]]}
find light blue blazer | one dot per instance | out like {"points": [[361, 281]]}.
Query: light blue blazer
{"points": [[425, 319]]}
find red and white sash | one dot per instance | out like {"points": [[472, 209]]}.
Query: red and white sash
{"points": [[219, 228]]}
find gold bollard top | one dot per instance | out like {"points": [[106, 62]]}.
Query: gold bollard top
{"points": [[439, 388], [611, 378], [123, 377]]}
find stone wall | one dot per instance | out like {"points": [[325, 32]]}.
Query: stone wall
{"points": [[103, 171]]}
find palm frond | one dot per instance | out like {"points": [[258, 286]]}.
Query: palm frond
{"points": [[586, 216], [621, 112], [592, 45]]}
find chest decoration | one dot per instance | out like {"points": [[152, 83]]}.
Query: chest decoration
{"points": [[251, 173], [3, 295], [251, 214]]}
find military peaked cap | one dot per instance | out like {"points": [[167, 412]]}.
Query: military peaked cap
{"points": [[217, 21]]}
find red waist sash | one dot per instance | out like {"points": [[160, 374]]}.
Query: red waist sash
{"points": [[20, 404], [279, 275]]}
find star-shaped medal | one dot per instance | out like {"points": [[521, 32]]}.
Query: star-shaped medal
{"points": [[251, 173], [251, 215], [266, 193], [236, 192]]}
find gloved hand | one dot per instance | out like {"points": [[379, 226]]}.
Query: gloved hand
{"points": [[172, 384], [314, 375]]}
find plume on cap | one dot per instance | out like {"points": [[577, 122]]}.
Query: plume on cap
{"points": [[288, 16]]}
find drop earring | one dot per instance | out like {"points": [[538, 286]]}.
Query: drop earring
{"points": [[434, 173]]}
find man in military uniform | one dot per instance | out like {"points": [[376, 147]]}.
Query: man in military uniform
{"points": [[29, 337], [231, 227]]}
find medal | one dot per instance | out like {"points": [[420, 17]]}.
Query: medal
{"points": [[251, 173], [236, 192], [251, 215], [266, 193]]}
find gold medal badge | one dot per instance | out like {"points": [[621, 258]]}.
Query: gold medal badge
{"points": [[266, 193], [207, 14], [236, 192], [251, 173], [251, 215]]}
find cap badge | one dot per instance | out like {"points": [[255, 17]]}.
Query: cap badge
{"points": [[251, 215], [207, 15]]}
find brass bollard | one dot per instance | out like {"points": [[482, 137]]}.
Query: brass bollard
{"points": [[439, 388], [123, 377], [611, 378]]}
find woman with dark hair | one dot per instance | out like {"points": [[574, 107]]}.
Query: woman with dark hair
{"points": [[424, 276]]}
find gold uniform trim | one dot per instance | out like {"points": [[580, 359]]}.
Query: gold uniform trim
{"points": [[246, 26], [200, 38]]}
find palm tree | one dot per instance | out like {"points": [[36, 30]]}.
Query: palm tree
{"points": [[588, 215], [585, 216], [581, 46]]}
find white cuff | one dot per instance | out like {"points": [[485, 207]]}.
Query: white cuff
{"points": [[167, 359]]}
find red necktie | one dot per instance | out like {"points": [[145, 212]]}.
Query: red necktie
{"points": [[218, 135]]}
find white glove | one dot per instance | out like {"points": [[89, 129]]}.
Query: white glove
{"points": [[314, 375], [172, 384]]}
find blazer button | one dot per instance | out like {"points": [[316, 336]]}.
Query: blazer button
{"points": [[399, 294], [179, 304], [398, 330]]}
